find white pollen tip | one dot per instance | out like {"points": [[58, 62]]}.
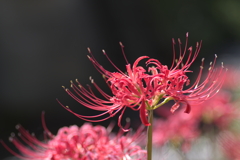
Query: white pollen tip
{"points": [[67, 107], [210, 63], [17, 126], [197, 44], [90, 78], [88, 57], [89, 50], [201, 67], [63, 87], [103, 51], [179, 41], [203, 59], [71, 81], [76, 80], [10, 139], [12, 134], [128, 119], [120, 43], [92, 81], [215, 55], [187, 34]]}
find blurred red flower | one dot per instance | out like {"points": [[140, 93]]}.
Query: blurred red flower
{"points": [[77, 143]]}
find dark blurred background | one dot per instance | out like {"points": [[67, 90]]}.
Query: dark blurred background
{"points": [[43, 45]]}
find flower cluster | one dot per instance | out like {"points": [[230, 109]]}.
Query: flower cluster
{"points": [[213, 117], [230, 144], [179, 129], [78, 143], [147, 89], [217, 115], [143, 89], [229, 139]]}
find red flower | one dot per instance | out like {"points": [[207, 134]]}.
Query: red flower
{"points": [[175, 78], [178, 129], [78, 143], [218, 114], [143, 90], [232, 79], [230, 144], [134, 89]]}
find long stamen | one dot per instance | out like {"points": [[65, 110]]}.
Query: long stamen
{"points": [[174, 53], [124, 55], [112, 62]]}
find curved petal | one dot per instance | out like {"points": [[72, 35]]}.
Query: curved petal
{"points": [[143, 115]]}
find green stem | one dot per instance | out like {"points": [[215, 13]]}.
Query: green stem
{"points": [[149, 132], [163, 102]]}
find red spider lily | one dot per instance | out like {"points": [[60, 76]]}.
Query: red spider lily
{"points": [[178, 129], [175, 78], [217, 113], [78, 143], [230, 144], [232, 79], [142, 90], [129, 90]]}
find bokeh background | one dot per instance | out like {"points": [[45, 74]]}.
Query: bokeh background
{"points": [[43, 45]]}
